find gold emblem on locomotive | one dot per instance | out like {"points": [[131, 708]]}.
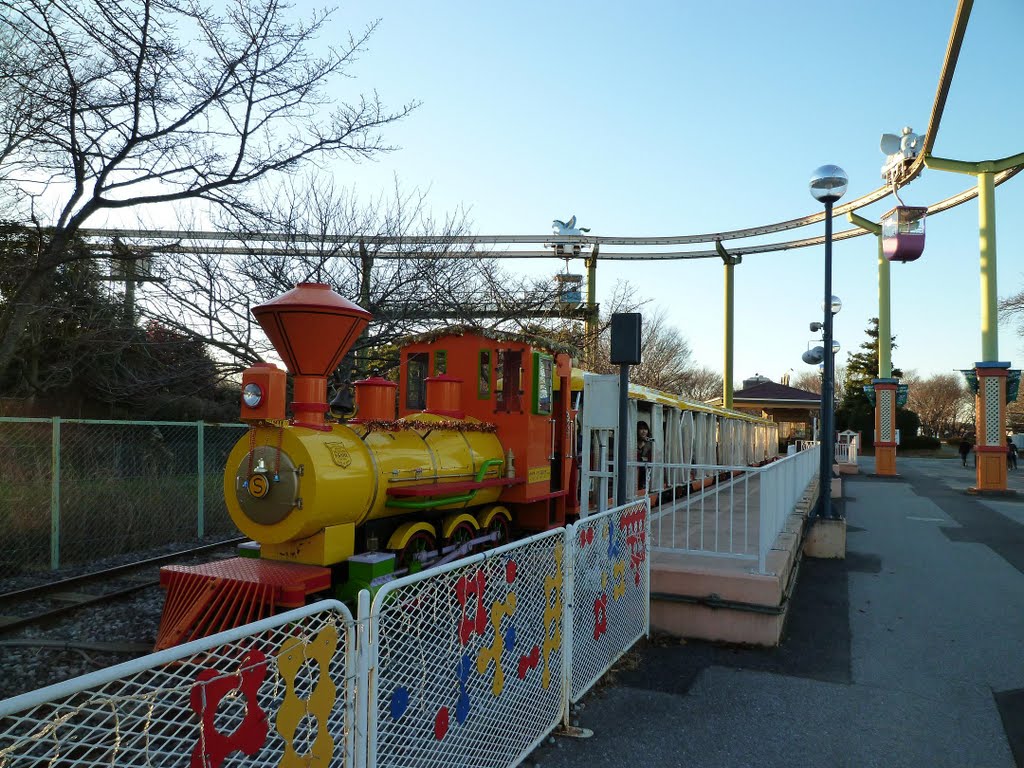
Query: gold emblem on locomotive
{"points": [[339, 454]]}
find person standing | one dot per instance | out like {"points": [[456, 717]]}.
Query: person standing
{"points": [[1011, 454], [644, 450]]}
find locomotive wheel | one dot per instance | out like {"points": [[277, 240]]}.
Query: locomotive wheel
{"points": [[462, 533], [421, 541], [501, 526]]}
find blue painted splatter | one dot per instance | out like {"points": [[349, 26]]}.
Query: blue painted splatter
{"points": [[399, 703], [462, 708], [613, 544], [510, 638]]}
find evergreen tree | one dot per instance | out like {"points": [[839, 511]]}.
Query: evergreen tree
{"points": [[855, 411]]}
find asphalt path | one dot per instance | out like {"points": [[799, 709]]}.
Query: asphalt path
{"points": [[910, 652]]}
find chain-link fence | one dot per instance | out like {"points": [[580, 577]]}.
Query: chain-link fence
{"points": [[73, 490]]}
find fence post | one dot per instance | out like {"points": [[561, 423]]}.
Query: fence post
{"points": [[361, 685], [55, 495], [568, 600], [201, 484], [767, 493]]}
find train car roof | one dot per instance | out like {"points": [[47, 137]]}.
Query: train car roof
{"points": [[494, 334], [651, 395]]}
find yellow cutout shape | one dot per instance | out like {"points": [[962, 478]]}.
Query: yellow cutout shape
{"points": [[619, 577], [319, 704], [498, 612], [552, 616]]}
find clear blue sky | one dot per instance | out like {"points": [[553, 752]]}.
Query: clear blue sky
{"points": [[671, 118]]}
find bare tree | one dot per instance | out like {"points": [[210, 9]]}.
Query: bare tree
{"points": [[666, 358], [408, 287], [809, 381], [157, 101], [942, 402], [701, 384]]}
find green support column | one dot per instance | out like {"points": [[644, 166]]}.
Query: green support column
{"points": [[985, 171], [884, 298], [201, 483], [55, 495], [727, 375]]}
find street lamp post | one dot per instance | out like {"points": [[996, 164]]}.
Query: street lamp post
{"points": [[828, 184]]}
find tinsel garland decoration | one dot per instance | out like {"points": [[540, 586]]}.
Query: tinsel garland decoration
{"points": [[451, 425]]}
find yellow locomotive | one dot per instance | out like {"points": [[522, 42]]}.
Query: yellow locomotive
{"points": [[347, 505]]}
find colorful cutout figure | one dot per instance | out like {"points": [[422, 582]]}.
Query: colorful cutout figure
{"points": [[210, 689], [321, 700]]}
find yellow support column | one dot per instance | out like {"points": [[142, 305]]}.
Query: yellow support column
{"points": [[991, 374], [727, 375], [592, 324]]}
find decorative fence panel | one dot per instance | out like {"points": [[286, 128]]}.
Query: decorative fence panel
{"points": [[279, 692], [467, 659], [611, 591], [470, 664], [74, 490]]}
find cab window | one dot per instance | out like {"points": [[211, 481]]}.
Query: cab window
{"points": [[484, 386], [440, 362], [507, 381], [543, 384], [416, 389]]}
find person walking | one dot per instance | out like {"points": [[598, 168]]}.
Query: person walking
{"points": [[1011, 454], [965, 448]]}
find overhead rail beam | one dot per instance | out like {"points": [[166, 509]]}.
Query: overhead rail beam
{"points": [[954, 45], [472, 253]]}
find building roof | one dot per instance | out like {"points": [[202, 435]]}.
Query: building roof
{"points": [[771, 392]]}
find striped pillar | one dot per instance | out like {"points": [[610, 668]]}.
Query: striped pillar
{"points": [[990, 410]]}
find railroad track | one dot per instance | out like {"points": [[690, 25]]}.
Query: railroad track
{"points": [[46, 602]]}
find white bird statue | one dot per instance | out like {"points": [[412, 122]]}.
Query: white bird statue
{"points": [[567, 227]]}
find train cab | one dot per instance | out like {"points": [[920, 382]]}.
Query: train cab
{"points": [[520, 385]]}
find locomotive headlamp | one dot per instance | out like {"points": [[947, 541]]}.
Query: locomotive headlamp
{"points": [[252, 395]]}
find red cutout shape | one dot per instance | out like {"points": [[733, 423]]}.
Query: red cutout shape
{"points": [[441, 723], [528, 662], [209, 690]]}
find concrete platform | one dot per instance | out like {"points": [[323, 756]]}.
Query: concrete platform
{"points": [[723, 599], [907, 653]]}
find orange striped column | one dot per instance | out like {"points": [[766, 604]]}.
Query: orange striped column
{"points": [[990, 410], [885, 426]]}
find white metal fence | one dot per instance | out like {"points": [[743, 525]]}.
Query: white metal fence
{"points": [[279, 689], [845, 453], [470, 664], [730, 512]]}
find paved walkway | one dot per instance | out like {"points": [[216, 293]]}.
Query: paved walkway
{"points": [[910, 652]]}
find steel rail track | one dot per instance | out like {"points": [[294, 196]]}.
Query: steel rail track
{"points": [[68, 600]]}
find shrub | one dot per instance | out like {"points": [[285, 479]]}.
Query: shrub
{"points": [[920, 443]]}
